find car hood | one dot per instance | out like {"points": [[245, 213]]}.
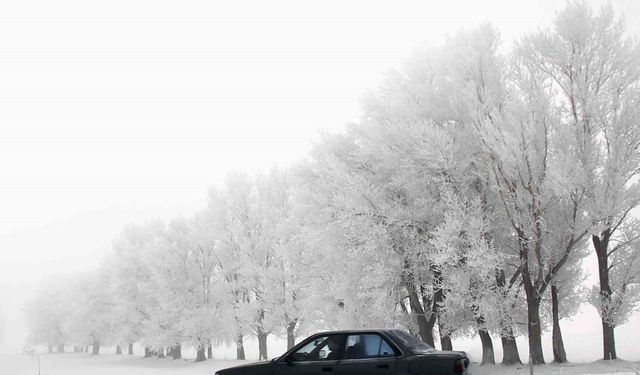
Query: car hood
{"points": [[255, 368]]}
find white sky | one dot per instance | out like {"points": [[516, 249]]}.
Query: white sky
{"points": [[116, 111]]}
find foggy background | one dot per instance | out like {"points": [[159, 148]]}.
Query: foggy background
{"points": [[119, 112]]}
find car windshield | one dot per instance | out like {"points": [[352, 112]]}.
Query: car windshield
{"points": [[412, 343]]}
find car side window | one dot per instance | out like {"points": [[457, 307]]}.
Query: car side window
{"points": [[368, 345], [386, 350], [321, 348]]}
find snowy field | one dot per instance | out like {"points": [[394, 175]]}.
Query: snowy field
{"points": [[107, 364], [110, 364]]}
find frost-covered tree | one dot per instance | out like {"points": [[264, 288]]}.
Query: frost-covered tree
{"points": [[340, 188], [205, 281], [595, 70], [229, 260], [76, 310], [285, 283], [560, 242], [92, 319], [517, 123], [467, 259], [165, 289], [131, 282], [180, 281], [245, 219], [48, 314], [448, 86], [525, 161], [167, 275], [382, 184], [258, 228], [621, 295], [324, 260], [565, 297]]}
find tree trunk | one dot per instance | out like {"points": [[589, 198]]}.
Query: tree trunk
{"points": [[510, 355], [559, 354], [445, 337], [534, 330], [291, 336], [239, 347], [200, 355], [445, 342], [60, 348], [425, 326], [488, 356], [438, 296], [147, 352], [96, 347], [262, 345], [609, 341], [601, 246], [118, 349], [209, 352], [176, 351], [536, 356]]}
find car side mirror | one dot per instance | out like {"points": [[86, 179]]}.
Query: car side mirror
{"points": [[289, 360]]}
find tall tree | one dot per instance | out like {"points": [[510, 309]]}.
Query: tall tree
{"points": [[467, 261], [442, 85], [48, 314], [516, 121], [566, 296], [232, 210], [134, 305], [595, 69], [93, 306], [382, 182]]}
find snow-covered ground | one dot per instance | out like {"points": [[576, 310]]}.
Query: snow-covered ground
{"points": [[618, 367], [109, 364], [105, 364]]}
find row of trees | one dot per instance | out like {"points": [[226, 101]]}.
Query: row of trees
{"points": [[232, 270], [463, 203]]}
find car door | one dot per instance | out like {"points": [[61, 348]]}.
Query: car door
{"points": [[306, 368], [319, 356], [368, 354]]}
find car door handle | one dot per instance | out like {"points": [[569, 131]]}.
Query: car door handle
{"points": [[327, 369], [383, 367]]}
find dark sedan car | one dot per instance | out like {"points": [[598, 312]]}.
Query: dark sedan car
{"points": [[361, 352]]}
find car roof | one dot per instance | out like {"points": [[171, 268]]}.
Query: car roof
{"points": [[359, 330], [389, 332]]}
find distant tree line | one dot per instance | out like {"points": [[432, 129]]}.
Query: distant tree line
{"points": [[462, 204]]}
